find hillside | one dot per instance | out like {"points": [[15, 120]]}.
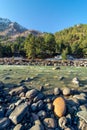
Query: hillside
{"points": [[73, 34], [32, 43], [75, 38]]}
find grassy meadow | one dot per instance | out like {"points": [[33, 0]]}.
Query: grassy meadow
{"points": [[43, 76]]}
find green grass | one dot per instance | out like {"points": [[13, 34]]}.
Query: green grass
{"points": [[42, 75]]}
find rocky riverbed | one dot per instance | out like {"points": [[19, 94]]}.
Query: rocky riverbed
{"points": [[31, 109]]}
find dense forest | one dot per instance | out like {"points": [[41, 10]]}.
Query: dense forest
{"points": [[71, 41]]}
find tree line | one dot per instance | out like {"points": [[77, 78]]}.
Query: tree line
{"points": [[71, 41]]}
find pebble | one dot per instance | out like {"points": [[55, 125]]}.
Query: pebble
{"points": [[56, 91], [31, 93], [62, 122], [42, 114], [18, 127], [66, 91], [50, 123], [37, 127]]}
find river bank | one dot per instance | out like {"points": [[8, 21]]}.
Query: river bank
{"points": [[42, 62]]}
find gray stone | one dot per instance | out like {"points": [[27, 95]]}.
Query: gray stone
{"points": [[50, 123], [19, 102], [40, 96], [49, 107], [1, 84], [76, 81], [56, 91], [62, 122], [17, 90], [83, 107], [11, 108], [1, 112], [56, 68], [82, 115], [61, 78], [40, 104], [82, 99], [34, 107], [18, 127], [31, 93], [82, 125], [37, 106], [83, 94], [42, 114], [18, 113], [66, 91], [73, 101], [69, 128], [4, 123], [37, 127]]}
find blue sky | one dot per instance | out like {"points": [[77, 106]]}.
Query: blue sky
{"points": [[45, 15]]}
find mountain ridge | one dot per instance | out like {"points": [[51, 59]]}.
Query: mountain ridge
{"points": [[14, 29]]}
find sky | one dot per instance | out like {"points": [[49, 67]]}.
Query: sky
{"points": [[45, 15]]}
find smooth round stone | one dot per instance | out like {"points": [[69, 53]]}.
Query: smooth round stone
{"points": [[31, 93], [56, 91], [34, 107], [66, 91], [59, 106], [62, 122]]}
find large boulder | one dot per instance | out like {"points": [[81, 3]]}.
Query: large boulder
{"points": [[59, 106], [18, 113]]}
